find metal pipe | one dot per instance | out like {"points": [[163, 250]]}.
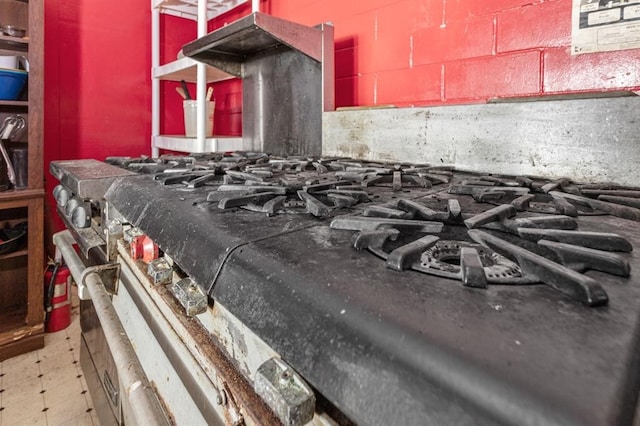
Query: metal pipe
{"points": [[155, 82], [201, 83], [145, 406], [64, 242]]}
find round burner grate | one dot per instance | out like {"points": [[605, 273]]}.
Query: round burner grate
{"points": [[443, 260]]}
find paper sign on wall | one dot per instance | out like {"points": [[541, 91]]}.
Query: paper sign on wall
{"points": [[603, 25]]}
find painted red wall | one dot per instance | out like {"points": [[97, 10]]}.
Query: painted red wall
{"points": [[97, 84]]}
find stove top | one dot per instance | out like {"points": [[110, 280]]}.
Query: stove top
{"points": [[412, 292], [424, 218]]}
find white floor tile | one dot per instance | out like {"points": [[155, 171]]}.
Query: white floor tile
{"points": [[60, 387], [25, 394], [54, 370], [66, 411], [18, 360], [18, 416], [82, 420]]}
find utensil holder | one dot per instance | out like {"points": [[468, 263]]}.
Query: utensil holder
{"points": [[191, 118]]}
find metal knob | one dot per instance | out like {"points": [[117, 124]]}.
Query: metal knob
{"points": [[80, 217], [61, 195], [70, 206]]}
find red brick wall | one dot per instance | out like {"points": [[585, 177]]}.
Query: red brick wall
{"points": [[430, 52]]}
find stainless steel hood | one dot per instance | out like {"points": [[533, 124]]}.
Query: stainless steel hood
{"points": [[287, 72]]}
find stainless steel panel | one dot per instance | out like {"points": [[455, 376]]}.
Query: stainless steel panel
{"points": [[288, 79], [99, 367], [86, 238], [88, 179], [589, 140], [101, 402], [228, 47], [166, 357], [328, 68], [282, 104]]}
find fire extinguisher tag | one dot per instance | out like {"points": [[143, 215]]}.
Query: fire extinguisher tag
{"points": [[60, 289]]}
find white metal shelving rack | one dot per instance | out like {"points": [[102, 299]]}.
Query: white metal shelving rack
{"points": [[189, 70]]}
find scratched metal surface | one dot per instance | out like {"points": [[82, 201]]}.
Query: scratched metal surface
{"points": [[589, 140]]}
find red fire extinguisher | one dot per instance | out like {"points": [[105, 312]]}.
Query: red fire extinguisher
{"points": [[57, 297]]}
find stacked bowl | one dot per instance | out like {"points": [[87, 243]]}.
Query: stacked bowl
{"points": [[12, 79]]}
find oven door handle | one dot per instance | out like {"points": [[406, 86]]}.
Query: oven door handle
{"points": [[146, 407]]}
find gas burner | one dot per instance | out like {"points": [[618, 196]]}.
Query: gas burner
{"points": [[271, 185], [489, 259], [559, 197], [397, 177], [449, 258]]}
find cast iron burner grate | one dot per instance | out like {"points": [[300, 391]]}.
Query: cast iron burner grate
{"points": [[530, 235], [561, 255], [270, 185]]}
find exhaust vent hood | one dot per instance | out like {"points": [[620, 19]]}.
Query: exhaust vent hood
{"points": [[287, 72]]}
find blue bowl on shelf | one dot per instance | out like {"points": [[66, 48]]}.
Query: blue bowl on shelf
{"points": [[11, 83]]}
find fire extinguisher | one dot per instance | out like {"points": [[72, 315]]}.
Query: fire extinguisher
{"points": [[57, 297]]}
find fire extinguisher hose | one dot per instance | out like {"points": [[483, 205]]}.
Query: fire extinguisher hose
{"points": [[48, 303]]}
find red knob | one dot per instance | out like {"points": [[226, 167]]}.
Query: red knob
{"points": [[143, 247]]}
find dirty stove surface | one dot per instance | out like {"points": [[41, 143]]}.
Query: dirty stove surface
{"points": [[406, 294]]}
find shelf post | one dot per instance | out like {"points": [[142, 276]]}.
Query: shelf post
{"points": [[155, 83], [201, 81]]}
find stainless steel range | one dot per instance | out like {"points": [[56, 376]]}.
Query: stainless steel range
{"points": [[260, 289]]}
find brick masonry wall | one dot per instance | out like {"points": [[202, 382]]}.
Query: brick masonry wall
{"points": [[430, 52], [435, 52]]}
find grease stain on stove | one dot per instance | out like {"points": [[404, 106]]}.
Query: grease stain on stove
{"points": [[237, 340], [321, 236]]}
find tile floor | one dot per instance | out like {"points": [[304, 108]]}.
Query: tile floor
{"points": [[47, 387]]}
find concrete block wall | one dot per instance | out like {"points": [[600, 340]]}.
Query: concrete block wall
{"points": [[436, 52]]}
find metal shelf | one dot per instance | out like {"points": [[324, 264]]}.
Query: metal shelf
{"points": [[185, 69], [189, 70], [185, 144], [188, 9]]}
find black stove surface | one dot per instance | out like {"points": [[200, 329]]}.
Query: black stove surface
{"points": [[383, 341]]}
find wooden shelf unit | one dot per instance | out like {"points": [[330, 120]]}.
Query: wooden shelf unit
{"points": [[22, 271]]}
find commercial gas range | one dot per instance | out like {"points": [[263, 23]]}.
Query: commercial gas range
{"points": [[258, 289]]}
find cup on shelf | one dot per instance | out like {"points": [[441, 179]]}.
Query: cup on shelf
{"points": [[191, 117], [11, 62]]}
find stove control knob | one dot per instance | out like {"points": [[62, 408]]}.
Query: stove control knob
{"points": [[61, 195], [80, 217], [70, 206], [143, 247]]}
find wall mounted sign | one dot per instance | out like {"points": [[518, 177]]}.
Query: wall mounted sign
{"points": [[603, 25]]}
